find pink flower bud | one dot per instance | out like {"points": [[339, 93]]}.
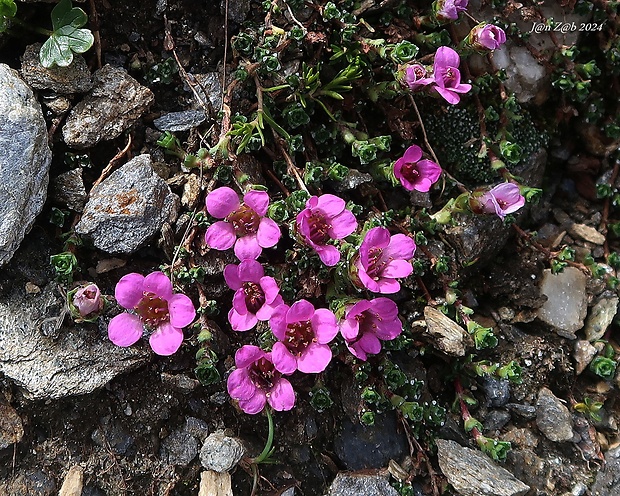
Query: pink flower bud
{"points": [[87, 300]]}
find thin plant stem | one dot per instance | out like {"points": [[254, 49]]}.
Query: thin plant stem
{"points": [[35, 29], [267, 449]]}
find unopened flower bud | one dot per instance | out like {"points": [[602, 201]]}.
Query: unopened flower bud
{"points": [[87, 300], [486, 37]]}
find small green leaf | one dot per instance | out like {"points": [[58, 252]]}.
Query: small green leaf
{"points": [[8, 9], [64, 14]]}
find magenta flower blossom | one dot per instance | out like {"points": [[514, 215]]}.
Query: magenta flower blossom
{"points": [[502, 200], [416, 77], [367, 323], [325, 217], [256, 382], [447, 75], [486, 37], [304, 334], [382, 259], [87, 300], [448, 10], [414, 173], [256, 295], [155, 307], [244, 226]]}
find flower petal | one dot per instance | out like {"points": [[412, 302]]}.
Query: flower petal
{"points": [[349, 328], [231, 276], [325, 325], [446, 57], [239, 385], [367, 281], [266, 311], [377, 237], [239, 303], [241, 322], [247, 248], [283, 361], [282, 396], [300, 311], [328, 254], [247, 355], [386, 308], [430, 170], [387, 286], [400, 246], [158, 283], [270, 287], [277, 322], [129, 290], [221, 202], [182, 311], [314, 359], [396, 269], [356, 351], [125, 329], [257, 201], [342, 225], [268, 233], [330, 205], [251, 271], [389, 329], [370, 343], [220, 236], [412, 154], [448, 95], [255, 404], [166, 340]]}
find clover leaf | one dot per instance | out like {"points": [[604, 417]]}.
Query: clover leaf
{"points": [[67, 37], [8, 9]]}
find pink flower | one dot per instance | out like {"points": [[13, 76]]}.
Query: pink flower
{"points": [[447, 75], [256, 295], [382, 259], [416, 77], [256, 381], [245, 221], [304, 334], [366, 323], [503, 199], [485, 37], [325, 217], [448, 10], [155, 308], [87, 300], [414, 173]]}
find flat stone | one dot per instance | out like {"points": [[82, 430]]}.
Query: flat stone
{"points": [[349, 484], [447, 334], [73, 483], [552, 417], [127, 209], [566, 305], [76, 78], [11, 427], [179, 448], [221, 453], [472, 473], [600, 318], [68, 189], [586, 233], [584, 353], [180, 121], [24, 162], [112, 106], [209, 89], [607, 481], [215, 484], [49, 360]]}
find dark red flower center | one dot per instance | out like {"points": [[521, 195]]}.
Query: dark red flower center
{"points": [[376, 262], [419, 72], [152, 309], [410, 172], [254, 296], [263, 374], [244, 220], [319, 228], [298, 336]]}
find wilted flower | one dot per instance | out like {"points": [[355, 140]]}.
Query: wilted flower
{"points": [[325, 217], [303, 334], [382, 259], [87, 300], [416, 77], [257, 382], [447, 75], [503, 199], [485, 37], [155, 307], [367, 323], [448, 10], [414, 173], [245, 221], [256, 295]]}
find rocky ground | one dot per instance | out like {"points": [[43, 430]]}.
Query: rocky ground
{"points": [[80, 157]]}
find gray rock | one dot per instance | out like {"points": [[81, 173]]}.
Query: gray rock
{"points": [[197, 428], [600, 318], [362, 447], [76, 78], [49, 360], [587, 233], [180, 121], [552, 417], [566, 305], [221, 453], [238, 10], [584, 353], [527, 412], [128, 208], [113, 105], [112, 436], [361, 485], [472, 473], [179, 448], [68, 189], [497, 391], [209, 89], [24, 162], [354, 179], [496, 420], [448, 336], [607, 481]]}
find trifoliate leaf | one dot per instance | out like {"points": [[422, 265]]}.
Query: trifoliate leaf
{"points": [[67, 37]]}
